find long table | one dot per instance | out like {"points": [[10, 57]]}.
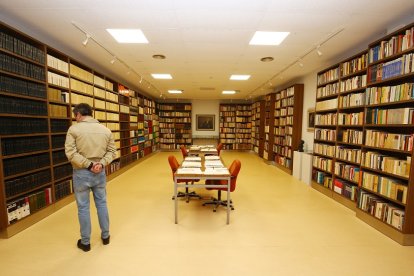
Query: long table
{"points": [[202, 173]]}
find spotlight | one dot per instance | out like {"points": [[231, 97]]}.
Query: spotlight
{"points": [[140, 81], [113, 60], [300, 63], [318, 51], [85, 42]]}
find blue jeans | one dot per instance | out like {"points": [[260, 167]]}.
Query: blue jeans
{"points": [[83, 182]]}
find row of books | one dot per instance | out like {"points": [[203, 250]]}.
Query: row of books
{"points": [[174, 114], [351, 100], [386, 186], [330, 75], [11, 146], [76, 85], [18, 165], [345, 188], [244, 113], [355, 118], [326, 105], [349, 172], [325, 134], [353, 83], [382, 139], [387, 94], [394, 45], [58, 111], [62, 171], [25, 183], [355, 65], [324, 149], [63, 189], [386, 212], [80, 73], [390, 116], [326, 119], [11, 125], [397, 67], [322, 178], [327, 90], [58, 64], [19, 47], [58, 95], [27, 205], [351, 136], [57, 125], [382, 162], [322, 163], [348, 154], [20, 67], [22, 106], [22, 87], [58, 141], [59, 157], [58, 80]]}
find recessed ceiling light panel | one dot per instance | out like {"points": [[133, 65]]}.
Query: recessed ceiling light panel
{"points": [[239, 77], [162, 76], [175, 91], [268, 38], [128, 35], [228, 92]]}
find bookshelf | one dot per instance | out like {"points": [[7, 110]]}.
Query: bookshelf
{"points": [[39, 86], [364, 134], [269, 122], [228, 125], [386, 196], [287, 126], [258, 132], [174, 125], [235, 126]]}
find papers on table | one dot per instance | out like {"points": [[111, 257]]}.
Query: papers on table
{"points": [[193, 158], [218, 171], [191, 164], [212, 157], [189, 171], [213, 164]]}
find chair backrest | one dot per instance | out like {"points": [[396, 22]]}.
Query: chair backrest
{"points": [[234, 172], [173, 164], [219, 147], [184, 151]]}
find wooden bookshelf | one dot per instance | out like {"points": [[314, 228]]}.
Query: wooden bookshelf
{"points": [[258, 132], [269, 123], [386, 199], [236, 126], [175, 125], [35, 114], [363, 146]]}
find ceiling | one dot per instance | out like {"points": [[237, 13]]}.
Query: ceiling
{"points": [[207, 41]]}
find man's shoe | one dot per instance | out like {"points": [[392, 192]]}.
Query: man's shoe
{"points": [[84, 247], [106, 241]]}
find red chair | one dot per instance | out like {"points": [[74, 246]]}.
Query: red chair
{"points": [[174, 167], [184, 151], [219, 148], [234, 172]]}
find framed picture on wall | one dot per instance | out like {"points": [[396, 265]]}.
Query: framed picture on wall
{"points": [[311, 119], [205, 122]]}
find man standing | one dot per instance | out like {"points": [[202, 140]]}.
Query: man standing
{"points": [[90, 147]]}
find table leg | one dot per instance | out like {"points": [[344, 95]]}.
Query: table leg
{"points": [[175, 201], [228, 200]]}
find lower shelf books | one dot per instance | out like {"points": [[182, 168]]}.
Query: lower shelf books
{"points": [[384, 211], [25, 206], [345, 188]]}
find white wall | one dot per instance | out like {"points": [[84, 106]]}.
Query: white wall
{"points": [[205, 107]]}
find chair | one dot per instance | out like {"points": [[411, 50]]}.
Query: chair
{"points": [[234, 171], [219, 148], [184, 151], [174, 167]]}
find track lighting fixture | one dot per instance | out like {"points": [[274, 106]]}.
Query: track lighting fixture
{"points": [[140, 81], [300, 63], [85, 42], [113, 60], [318, 51]]}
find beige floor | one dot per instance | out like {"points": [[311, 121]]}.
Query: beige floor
{"points": [[280, 227]]}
